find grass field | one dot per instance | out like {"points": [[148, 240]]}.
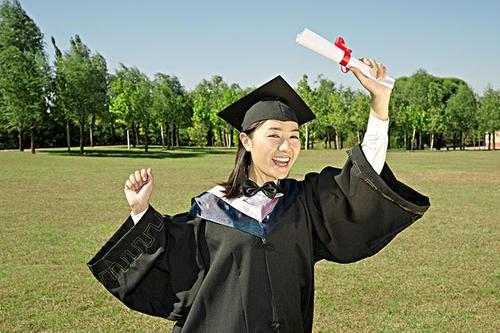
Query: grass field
{"points": [[57, 209]]}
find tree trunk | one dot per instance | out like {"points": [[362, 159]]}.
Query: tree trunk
{"points": [[112, 129], [231, 133], [162, 136], [146, 137], [128, 138], [461, 141], [168, 137], [210, 137], [91, 136], [405, 140], [221, 137], [21, 139], [413, 137], [358, 136], [337, 140], [91, 130], [172, 135], [307, 137], [68, 138], [146, 143], [136, 135], [494, 142], [32, 140], [82, 133], [420, 141], [454, 140], [431, 141], [177, 137]]}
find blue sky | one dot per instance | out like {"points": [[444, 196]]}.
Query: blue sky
{"points": [[249, 42]]}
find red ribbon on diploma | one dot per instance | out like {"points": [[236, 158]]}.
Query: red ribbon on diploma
{"points": [[340, 43]]}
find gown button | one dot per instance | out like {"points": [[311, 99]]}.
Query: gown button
{"points": [[259, 244], [268, 246]]}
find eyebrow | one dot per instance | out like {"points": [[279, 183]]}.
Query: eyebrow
{"points": [[280, 129]]}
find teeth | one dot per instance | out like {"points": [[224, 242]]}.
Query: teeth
{"points": [[282, 159]]}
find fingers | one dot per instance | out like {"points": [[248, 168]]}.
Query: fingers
{"points": [[144, 175], [378, 70], [137, 179]]}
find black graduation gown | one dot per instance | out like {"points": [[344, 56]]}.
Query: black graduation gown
{"points": [[214, 269]]}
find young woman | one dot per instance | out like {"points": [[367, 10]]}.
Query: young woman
{"points": [[242, 258]]}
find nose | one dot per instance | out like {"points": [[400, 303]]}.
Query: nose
{"points": [[284, 146]]}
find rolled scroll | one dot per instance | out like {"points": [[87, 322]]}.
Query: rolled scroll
{"points": [[332, 51]]}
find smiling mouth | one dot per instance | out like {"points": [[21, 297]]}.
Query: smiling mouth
{"points": [[281, 162]]}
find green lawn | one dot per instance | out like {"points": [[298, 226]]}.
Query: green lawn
{"points": [[57, 209]]}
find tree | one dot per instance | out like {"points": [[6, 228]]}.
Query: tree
{"points": [[330, 107], [418, 103], [224, 97], [131, 100], [358, 113], [142, 98], [120, 107], [75, 86], [99, 102], [60, 107], [24, 72], [210, 97], [399, 109], [489, 114], [460, 112], [172, 107], [307, 94], [437, 103]]}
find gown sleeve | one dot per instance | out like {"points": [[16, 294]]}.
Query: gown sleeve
{"points": [[153, 266], [355, 212]]}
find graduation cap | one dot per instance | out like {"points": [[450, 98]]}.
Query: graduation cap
{"points": [[275, 99]]}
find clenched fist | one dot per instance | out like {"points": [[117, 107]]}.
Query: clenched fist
{"points": [[138, 189]]}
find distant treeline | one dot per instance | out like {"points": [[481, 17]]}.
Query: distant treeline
{"points": [[76, 101]]}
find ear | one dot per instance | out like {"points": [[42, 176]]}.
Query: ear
{"points": [[246, 141]]}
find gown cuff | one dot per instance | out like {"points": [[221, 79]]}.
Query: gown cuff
{"points": [[387, 185], [137, 217], [375, 142]]}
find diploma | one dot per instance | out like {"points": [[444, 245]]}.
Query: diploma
{"points": [[337, 53]]}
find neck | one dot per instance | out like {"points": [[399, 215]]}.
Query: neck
{"points": [[258, 177]]}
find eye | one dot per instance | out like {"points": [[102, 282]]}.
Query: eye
{"points": [[274, 136], [294, 137]]}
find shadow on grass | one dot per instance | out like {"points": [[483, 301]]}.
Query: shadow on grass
{"points": [[155, 153]]}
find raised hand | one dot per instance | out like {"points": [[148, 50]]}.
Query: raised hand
{"points": [[138, 189]]}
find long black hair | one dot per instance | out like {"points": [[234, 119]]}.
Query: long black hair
{"points": [[233, 187]]}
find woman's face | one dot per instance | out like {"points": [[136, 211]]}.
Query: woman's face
{"points": [[274, 147]]}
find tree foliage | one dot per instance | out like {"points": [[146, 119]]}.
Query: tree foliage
{"points": [[128, 106], [24, 73]]}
